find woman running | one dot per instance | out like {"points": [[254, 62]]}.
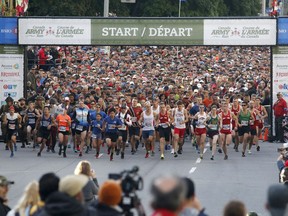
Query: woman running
{"points": [[96, 131], [63, 122], [200, 130]]}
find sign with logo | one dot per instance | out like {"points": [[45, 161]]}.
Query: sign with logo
{"points": [[8, 31], [54, 31], [11, 73], [147, 31], [280, 72], [239, 31], [282, 31]]}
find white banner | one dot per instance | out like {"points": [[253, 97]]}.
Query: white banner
{"points": [[240, 32], [280, 74], [54, 31], [11, 76]]}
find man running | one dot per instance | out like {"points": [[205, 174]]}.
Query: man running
{"points": [[164, 128], [31, 117]]}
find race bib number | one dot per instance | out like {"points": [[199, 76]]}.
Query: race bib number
{"points": [[111, 126], [31, 121], [213, 127], [79, 127], [12, 126], [133, 119], [179, 120], [123, 127], [164, 125], [148, 124], [45, 123], [94, 136], [244, 123], [226, 127], [62, 128], [73, 125]]}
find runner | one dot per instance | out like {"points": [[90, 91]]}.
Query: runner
{"points": [[96, 131], [31, 117], [43, 125], [244, 118], [148, 119], [81, 118], [235, 108], [179, 118], [200, 130], [111, 124], [63, 121], [164, 128], [225, 132], [12, 121], [123, 131], [213, 125], [21, 109], [134, 131], [253, 125]]}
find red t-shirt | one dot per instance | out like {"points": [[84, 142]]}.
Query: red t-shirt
{"points": [[280, 108]]}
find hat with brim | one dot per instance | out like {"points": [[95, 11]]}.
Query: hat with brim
{"points": [[4, 181], [73, 184]]}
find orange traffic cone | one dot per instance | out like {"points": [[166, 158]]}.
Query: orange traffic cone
{"points": [[266, 134]]}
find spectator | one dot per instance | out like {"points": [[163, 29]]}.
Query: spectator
{"points": [[4, 183], [29, 198], [277, 200], [43, 57], [31, 77], [280, 109], [168, 196], [235, 208], [90, 190], [192, 206], [110, 194]]}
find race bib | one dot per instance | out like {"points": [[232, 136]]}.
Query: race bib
{"points": [[31, 121], [164, 125], [213, 127], [244, 123], [12, 126], [94, 136], [45, 123], [133, 119], [179, 120], [111, 126], [226, 127], [73, 125], [123, 127], [62, 128], [79, 127], [148, 124]]}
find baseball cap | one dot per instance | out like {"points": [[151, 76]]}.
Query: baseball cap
{"points": [[4, 181], [72, 184], [277, 199], [66, 99]]}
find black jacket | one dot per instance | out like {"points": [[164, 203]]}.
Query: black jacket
{"points": [[104, 210], [4, 209], [60, 204]]}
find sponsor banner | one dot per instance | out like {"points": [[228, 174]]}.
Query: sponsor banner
{"points": [[280, 73], [11, 73], [8, 31], [147, 32], [282, 31], [54, 31], [239, 31]]}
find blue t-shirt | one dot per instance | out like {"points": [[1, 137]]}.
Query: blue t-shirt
{"points": [[112, 123], [95, 128]]}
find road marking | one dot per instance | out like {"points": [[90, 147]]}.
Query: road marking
{"points": [[205, 149], [198, 160], [192, 170]]}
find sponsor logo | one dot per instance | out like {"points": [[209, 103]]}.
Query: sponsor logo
{"points": [[284, 74], [8, 31], [283, 86], [59, 31], [10, 74], [12, 94], [10, 66], [9, 86]]}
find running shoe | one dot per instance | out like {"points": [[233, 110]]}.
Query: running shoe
{"points": [[6, 148], [147, 155], [175, 154], [122, 155], [60, 151], [172, 151], [133, 152], [236, 149], [80, 154], [162, 157], [249, 152], [243, 154], [15, 147], [179, 151], [212, 157], [111, 157], [226, 157], [39, 154], [220, 150], [258, 148], [64, 154], [12, 154], [97, 155], [53, 151], [22, 146], [117, 151]]}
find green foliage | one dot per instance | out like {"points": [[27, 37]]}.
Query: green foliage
{"points": [[146, 8]]}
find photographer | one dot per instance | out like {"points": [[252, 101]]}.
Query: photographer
{"points": [[283, 157]]}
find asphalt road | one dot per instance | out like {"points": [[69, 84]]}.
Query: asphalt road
{"points": [[217, 182]]}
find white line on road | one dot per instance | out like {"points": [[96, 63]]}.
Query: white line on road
{"points": [[198, 160], [205, 149], [192, 170]]}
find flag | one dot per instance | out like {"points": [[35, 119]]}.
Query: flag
{"points": [[21, 7]]}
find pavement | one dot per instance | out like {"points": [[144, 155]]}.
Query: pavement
{"points": [[217, 182]]}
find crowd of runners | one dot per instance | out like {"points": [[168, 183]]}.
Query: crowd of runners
{"points": [[115, 101]]}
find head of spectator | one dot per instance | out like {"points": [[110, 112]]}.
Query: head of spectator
{"points": [[48, 183], [4, 188], [168, 195], [84, 168], [235, 208], [277, 199], [110, 193]]}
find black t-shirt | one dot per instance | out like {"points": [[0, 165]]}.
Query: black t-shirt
{"points": [[4, 209]]}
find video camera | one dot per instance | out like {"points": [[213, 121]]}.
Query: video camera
{"points": [[131, 181]]}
